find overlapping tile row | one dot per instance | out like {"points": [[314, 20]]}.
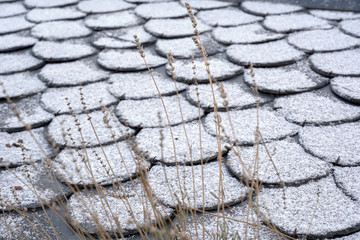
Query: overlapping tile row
{"points": [[72, 68]]}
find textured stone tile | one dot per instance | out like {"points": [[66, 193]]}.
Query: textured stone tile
{"points": [[353, 236], [185, 47], [280, 162], [268, 8], [347, 88], [272, 126], [250, 33], [206, 226], [346, 63], [309, 205], [128, 60], [122, 38], [60, 30], [289, 79], [141, 86], [19, 85], [38, 15], [72, 73], [351, 27], [11, 9], [206, 4], [144, 113], [174, 28], [121, 201], [334, 144], [64, 126], [18, 62], [220, 69], [95, 95], [348, 179], [30, 111], [62, 51], [119, 164], [165, 184], [11, 145], [334, 15], [295, 22], [26, 225], [300, 108], [104, 6], [237, 96], [227, 17], [161, 10], [270, 54], [12, 42], [14, 24], [322, 40], [113, 20], [149, 141], [48, 4], [29, 186]]}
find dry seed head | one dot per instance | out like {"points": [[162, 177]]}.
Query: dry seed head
{"points": [[139, 46]]}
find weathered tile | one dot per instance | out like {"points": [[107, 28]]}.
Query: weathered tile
{"points": [[30, 111], [347, 88], [19, 85], [174, 28], [18, 62], [140, 85], [149, 142], [38, 15], [351, 27], [104, 6], [295, 22], [289, 79], [145, 113], [29, 186], [348, 179], [13, 143], [48, 4], [278, 163], [72, 73], [119, 164], [95, 95], [185, 47], [334, 15], [62, 51], [220, 69], [161, 10], [269, 8], [14, 24], [65, 131], [60, 30], [322, 40], [317, 108], [250, 33], [175, 185], [272, 126], [345, 63], [307, 209], [113, 20], [122, 38], [11, 9], [128, 203], [335, 144], [128, 60], [12, 42], [269, 54], [238, 97], [227, 17], [206, 4]]}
